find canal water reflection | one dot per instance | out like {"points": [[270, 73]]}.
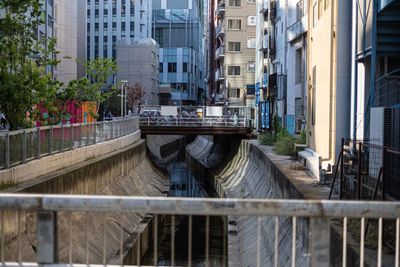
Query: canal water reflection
{"points": [[185, 184]]}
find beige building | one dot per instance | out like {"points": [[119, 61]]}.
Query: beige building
{"points": [[70, 31], [235, 52], [329, 79]]}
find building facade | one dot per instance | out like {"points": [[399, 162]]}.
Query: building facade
{"points": [[329, 76], [110, 21], [178, 27], [137, 61], [234, 65], [70, 31], [376, 72]]}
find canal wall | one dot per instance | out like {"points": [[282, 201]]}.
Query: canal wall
{"points": [[125, 172], [254, 171], [52, 163]]}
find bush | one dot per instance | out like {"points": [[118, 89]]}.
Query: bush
{"points": [[285, 146], [302, 138], [267, 139]]}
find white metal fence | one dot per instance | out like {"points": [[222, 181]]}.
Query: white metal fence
{"points": [[18, 147], [51, 212]]}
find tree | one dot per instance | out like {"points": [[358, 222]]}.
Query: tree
{"points": [[24, 62], [134, 95], [94, 88]]}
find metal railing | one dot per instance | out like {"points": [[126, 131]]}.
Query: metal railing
{"points": [[53, 224], [18, 147], [193, 116]]}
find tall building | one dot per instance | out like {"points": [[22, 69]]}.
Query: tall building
{"points": [[178, 27], [376, 72], [296, 92], [110, 21], [234, 57], [137, 61], [70, 31], [329, 75]]}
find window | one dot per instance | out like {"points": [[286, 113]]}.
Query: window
{"points": [[320, 8], [251, 42], [327, 3], [314, 98], [236, 3], [185, 67], [315, 13], [299, 66], [299, 10], [234, 93], [234, 70], [251, 66], [161, 67], [234, 46], [234, 24], [172, 67]]}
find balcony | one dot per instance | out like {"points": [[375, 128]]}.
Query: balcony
{"points": [[220, 11], [219, 31], [219, 75], [220, 53], [297, 29]]}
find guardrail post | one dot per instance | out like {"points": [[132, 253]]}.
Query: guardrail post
{"points": [[7, 158], [23, 146], [359, 171], [38, 144], [46, 237], [94, 134], [51, 140], [320, 237], [80, 135], [62, 137], [71, 137], [112, 131]]}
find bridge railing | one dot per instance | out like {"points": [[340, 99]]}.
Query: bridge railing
{"points": [[193, 116], [69, 230], [18, 147]]}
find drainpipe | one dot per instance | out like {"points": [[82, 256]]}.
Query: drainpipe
{"points": [[355, 70]]}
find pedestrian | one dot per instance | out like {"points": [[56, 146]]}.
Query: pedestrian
{"points": [[3, 121]]}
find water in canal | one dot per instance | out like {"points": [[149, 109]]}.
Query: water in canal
{"points": [[184, 184]]}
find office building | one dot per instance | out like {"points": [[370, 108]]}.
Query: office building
{"points": [[178, 27], [110, 21]]}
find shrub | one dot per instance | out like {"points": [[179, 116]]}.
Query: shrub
{"points": [[302, 138], [285, 146], [267, 139]]}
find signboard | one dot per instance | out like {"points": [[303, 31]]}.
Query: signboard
{"points": [[169, 110], [251, 20], [214, 112]]}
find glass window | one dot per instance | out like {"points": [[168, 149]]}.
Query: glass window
{"points": [[234, 46], [234, 70], [234, 24], [235, 3]]}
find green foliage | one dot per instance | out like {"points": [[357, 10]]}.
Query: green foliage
{"points": [[285, 143], [268, 139], [93, 88], [24, 81], [302, 138]]}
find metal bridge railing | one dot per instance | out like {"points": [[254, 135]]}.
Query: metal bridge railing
{"points": [[18, 147], [53, 224], [192, 122]]}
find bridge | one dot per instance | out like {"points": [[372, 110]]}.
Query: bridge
{"points": [[194, 120]]}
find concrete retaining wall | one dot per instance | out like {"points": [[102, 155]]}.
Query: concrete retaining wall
{"points": [[124, 172], [256, 172], [59, 161]]}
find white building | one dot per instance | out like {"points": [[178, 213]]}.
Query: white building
{"points": [[281, 45]]}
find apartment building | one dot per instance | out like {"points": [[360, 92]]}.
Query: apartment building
{"points": [[234, 45], [376, 72], [329, 76], [296, 93], [110, 21], [178, 27], [70, 31]]}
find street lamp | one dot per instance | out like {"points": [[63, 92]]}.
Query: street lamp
{"points": [[123, 83]]}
